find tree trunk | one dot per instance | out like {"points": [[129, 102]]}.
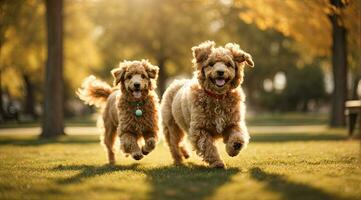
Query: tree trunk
{"points": [[29, 97], [339, 68], [53, 122], [2, 113]]}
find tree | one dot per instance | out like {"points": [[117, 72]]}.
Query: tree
{"points": [[7, 13], [161, 30], [26, 30], [339, 65], [311, 24], [269, 48], [53, 122], [23, 25]]}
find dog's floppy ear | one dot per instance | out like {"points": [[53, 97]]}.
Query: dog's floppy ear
{"points": [[239, 55], [152, 70], [202, 51], [118, 73]]}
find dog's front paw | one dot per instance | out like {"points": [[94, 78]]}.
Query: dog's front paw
{"points": [[236, 143], [233, 148], [149, 146], [150, 143], [137, 156]]}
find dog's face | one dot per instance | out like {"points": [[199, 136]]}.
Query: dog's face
{"points": [[136, 78], [220, 69]]}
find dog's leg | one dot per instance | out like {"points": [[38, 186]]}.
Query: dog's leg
{"points": [[184, 151], [236, 138], [180, 142], [204, 144], [129, 145], [174, 135], [150, 139], [108, 140]]}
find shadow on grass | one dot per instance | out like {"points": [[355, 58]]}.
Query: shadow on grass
{"points": [[168, 182], [289, 189], [296, 137], [36, 141], [197, 182], [88, 171]]}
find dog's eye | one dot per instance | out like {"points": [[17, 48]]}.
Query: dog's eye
{"points": [[229, 64], [143, 76], [129, 77], [211, 64]]}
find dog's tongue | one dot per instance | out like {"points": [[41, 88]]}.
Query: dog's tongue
{"points": [[220, 82], [137, 94]]}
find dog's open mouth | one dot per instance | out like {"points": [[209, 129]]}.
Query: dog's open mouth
{"points": [[220, 81], [137, 94]]}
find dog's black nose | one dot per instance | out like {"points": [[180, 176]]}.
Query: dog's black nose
{"points": [[220, 73], [137, 85]]}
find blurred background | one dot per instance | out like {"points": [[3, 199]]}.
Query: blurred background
{"points": [[306, 53]]}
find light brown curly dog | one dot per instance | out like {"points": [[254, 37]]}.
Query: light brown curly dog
{"points": [[209, 106], [131, 112]]}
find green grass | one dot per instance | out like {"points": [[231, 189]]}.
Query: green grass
{"points": [[296, 118], [322, 165]]}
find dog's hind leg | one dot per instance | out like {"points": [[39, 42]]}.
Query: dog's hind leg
{"points": [[109, 140], [174, 136]]}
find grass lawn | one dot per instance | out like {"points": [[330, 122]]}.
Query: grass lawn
{"points": [[292, 118], [294, 165]]}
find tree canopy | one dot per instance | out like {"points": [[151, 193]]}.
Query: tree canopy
{"points": [[282, 36]]}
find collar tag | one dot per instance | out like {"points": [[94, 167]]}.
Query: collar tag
{"points": [[138, 112]]}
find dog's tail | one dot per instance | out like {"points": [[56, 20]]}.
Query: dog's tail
{"points": [[94, 91]]}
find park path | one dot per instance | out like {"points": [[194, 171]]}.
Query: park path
{"points": [[37, 130], [92, 130]]}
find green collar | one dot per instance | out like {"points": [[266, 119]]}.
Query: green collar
{"points": [[136, 103]]}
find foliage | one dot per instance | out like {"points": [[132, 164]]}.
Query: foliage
{"points": [[81, 53], [99, 34], [320, 28], [273, 53], [305, 87], [23, 50], [305, 21], [160, 30]]}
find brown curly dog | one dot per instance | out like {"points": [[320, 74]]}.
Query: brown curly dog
{"points": [[131, 112], [209, 106]]}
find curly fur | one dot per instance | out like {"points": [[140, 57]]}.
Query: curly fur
{"points": [[118, 115], [187, 107], [94, 92]]}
